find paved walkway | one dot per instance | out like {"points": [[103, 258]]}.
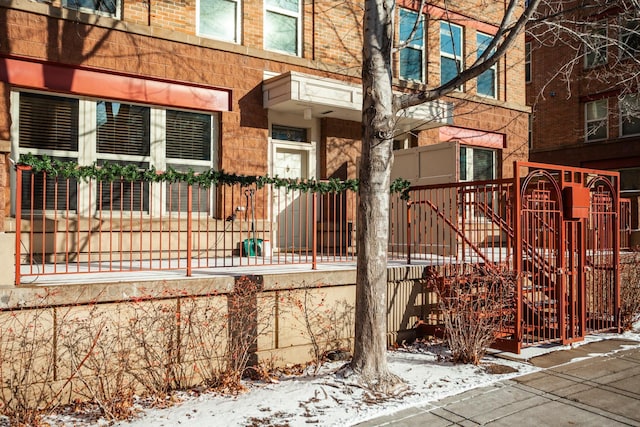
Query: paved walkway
{"points": [[597, 391]]}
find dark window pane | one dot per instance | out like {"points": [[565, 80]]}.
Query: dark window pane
{"points": [[448, 69], [48, 122], [122, 128], [411, 64], [177, 193], [121, 195], [486, 83], [188, 135], [49, 193]]}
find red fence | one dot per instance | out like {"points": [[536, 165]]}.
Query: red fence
{"points": [[68, 227], [558, 228]]}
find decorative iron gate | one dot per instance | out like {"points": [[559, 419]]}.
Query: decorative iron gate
{"points": [[567, 250]]}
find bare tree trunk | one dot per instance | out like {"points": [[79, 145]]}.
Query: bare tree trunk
{"points": [[369, 359]]}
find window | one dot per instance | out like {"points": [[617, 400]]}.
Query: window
{"points": [[477, 164], [451, 49], [288, 133], [101, 7], [487, 81], [219, 19], [527, 62], [630, 39], [282, 26], [530, 132], [115, 132], [596, 45], [412, 54], [596, 126], [630, 115], [629, 180], [49, 125]]}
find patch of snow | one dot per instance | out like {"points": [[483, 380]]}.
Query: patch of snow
{"points": [[328, 400]]}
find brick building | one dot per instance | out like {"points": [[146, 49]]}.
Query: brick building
{"points": [[589, 117], [247, 86]]}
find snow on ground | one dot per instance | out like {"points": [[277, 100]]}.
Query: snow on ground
{"points": [[327, 400]]}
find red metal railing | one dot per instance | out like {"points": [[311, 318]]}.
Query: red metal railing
{"points": [[68, 227], [454, 223]]}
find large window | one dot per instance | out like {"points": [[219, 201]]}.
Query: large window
{"points": [[451, 48], [282, 26], [100, 131], [219, 19], [596, 45], [477, 164], [101, 7], [412, 53], [596, 123], [630, 115], [487, 81], [630, 39]]}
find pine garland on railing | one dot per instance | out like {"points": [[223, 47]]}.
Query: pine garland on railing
{"points": [[110, 172]]}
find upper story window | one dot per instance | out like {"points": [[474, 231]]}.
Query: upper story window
{"points": [[412, 53], [527, 62], [630, 115], [596, 123], [219, 19], [488, 80], [282, 22], [100, 7], [451, 48], [595, 44], [630, 39]]}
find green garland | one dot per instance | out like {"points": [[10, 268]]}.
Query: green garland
{"points": [[110, 172]]}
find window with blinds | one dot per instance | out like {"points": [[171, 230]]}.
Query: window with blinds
{"points": [[114, 132], [122, 129], [48, 122], [188, 136]]}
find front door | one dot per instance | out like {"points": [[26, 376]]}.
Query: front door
{"points": [[292, 207]]}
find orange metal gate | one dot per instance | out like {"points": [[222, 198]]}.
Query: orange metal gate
{"points": [[567, 250]]}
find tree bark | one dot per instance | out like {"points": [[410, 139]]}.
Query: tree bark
{"points": [[378, 122]]}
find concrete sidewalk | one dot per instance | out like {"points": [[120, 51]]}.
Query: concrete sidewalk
{"points": [[597, 391]]}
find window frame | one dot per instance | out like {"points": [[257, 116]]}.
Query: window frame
{"points": [[623, 114], [493, 68], [469, 162], [269, 9], [528, 70], [412, 16], [88, 153], [237, 36], [599, 44], [632, 30], [455, 57], [588, 121], [116, 15]]}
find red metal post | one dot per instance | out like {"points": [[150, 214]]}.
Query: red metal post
{"points": [[19, 172], [517, 252], [189, 227], [409, 204], [314, 237]]}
